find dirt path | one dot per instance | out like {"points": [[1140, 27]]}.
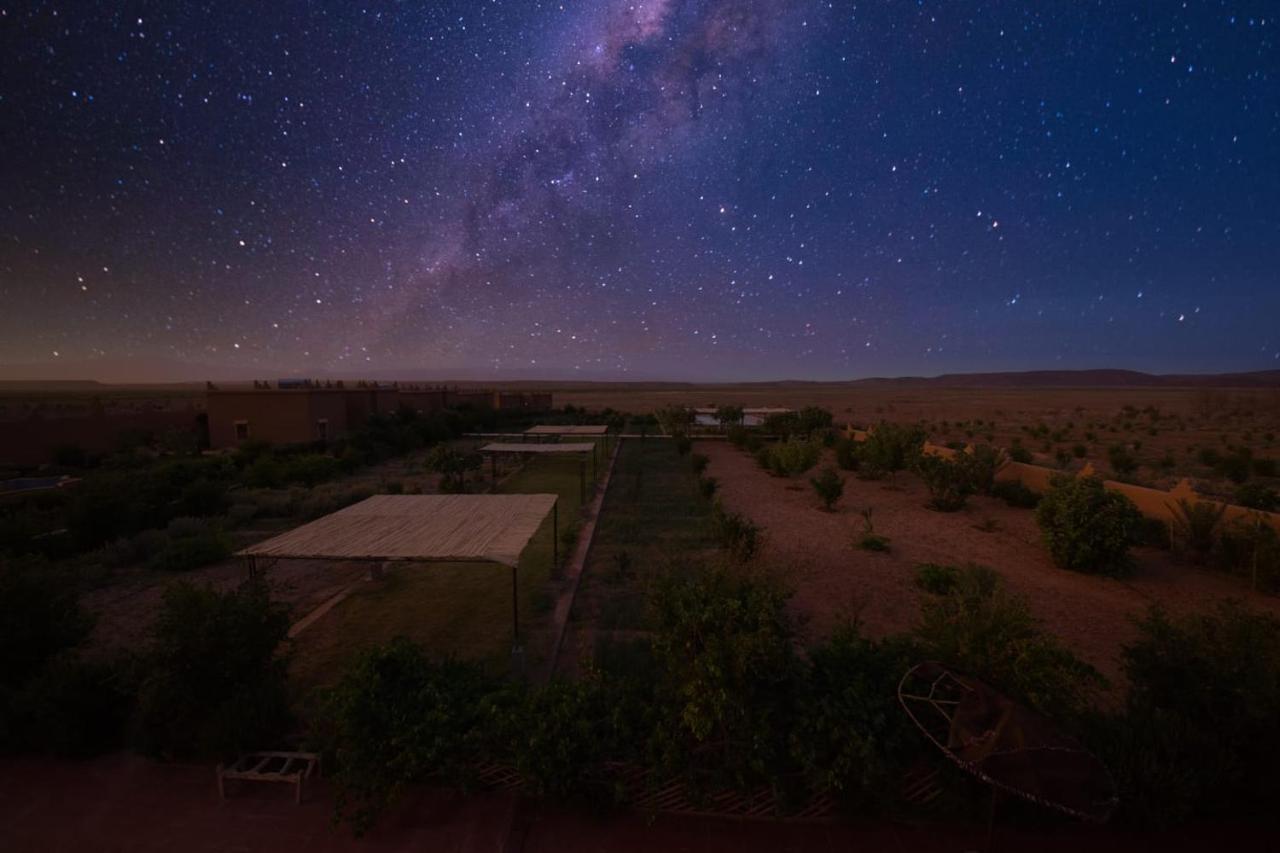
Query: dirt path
{"points": [[834, 580]]}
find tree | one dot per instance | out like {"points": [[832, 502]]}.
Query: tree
{"points": [[452, 466], [729, 416]]}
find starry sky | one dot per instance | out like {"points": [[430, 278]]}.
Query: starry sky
{"points": [[685, 189]]}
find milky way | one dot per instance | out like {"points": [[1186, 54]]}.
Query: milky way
{"points": [[671, 188]]}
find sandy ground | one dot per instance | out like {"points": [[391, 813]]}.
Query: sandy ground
{"points": [[835, 581]]}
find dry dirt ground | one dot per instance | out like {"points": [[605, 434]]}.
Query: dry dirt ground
{"points": [[835, 581], [1189, 419]]}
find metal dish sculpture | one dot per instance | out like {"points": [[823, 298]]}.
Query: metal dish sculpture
{"points": [[1006, 744]]}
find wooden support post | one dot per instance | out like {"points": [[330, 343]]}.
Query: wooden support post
{"points": [[493, 471], [555, 534], [582, 482]]}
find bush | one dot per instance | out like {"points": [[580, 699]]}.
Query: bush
{"points": [[1121, 460], [212, 684], [1196, 527], [851, 737], [707, 486], [980, 465], [187, 549], [847, 454], [1198, 737], [737, 534], [1018, 453], [892, 447], [1015, 494], [40, 617], [948, 482], [683, 444], [975, 625], [793, 457], [397, 718], [1258, 496], [737, 436], [1086, 527], [560, 736], [937, 579], [699, 462], [829, 485], [72, 708], [1250, 548], [727, 678]]}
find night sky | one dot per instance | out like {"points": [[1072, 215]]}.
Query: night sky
{"points": [[709, 189]]}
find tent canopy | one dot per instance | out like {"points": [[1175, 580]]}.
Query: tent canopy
{"points": [[424, 528]]}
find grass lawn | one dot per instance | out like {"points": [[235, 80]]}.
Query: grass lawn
{"points": [[457, 609]]}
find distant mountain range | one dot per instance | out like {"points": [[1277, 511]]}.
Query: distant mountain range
{"points": [[1087, 379], [18, 377]]}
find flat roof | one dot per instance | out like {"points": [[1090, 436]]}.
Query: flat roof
{"points": [[517, 447], [425, 528], [552, 429]]}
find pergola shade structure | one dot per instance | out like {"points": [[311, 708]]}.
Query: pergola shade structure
{"points": [[496, 449], [559, 432], [423, 529]]}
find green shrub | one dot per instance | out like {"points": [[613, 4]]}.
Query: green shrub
{"points": [[707, 486], [847, 454], [683, 444], [71, 708], [735, 532], [1258, 496], [190, 546], [1196, 527], [851, 737], [1250, 548], [1015, 494], [794, 456], [937, 579], [977, 626], [1018, 453], [829, 486], [211, 682], [40, 617], [892, 447], [560, 736], [980, 465], [1121, 460], [699, 462], [1198, 737], [727, 677], [948, 482], [397, 718], [738, 436], [1087, 528]]}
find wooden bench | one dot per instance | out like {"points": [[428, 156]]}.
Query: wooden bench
{"points": [[294, 767]]}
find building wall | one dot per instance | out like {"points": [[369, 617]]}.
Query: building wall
{"points": [[280, 417]]}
